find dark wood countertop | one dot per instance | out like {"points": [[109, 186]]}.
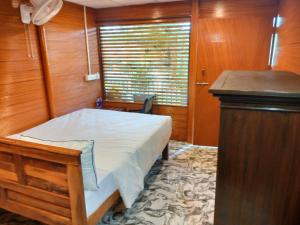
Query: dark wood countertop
{"points": [[257, 83]]}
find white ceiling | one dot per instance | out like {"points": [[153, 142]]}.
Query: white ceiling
{"points": [[115, 3]]}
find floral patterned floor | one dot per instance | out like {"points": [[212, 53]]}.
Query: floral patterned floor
{"points": [[180, 191]]}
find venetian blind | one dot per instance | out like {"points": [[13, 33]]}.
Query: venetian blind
{"points": [[146, 59]]}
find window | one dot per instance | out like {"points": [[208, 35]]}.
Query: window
{"points": [[274, 46], [146, 59]]}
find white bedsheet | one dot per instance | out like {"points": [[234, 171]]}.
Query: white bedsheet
{"points": [[93, 199], [126, 144]]}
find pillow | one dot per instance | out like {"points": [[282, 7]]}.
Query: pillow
{"points": [[87, 158]]}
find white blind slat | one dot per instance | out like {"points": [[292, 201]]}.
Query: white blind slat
{"points": [[141, 59]]}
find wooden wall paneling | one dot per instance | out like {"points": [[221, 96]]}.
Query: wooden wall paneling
{"points": [[193, 71], [95, 48], [162, 12], [145, 12], [230, 38], [288, 57], [67, 57], [93, 39], [23, 101], [179, 120], [234, 8]]}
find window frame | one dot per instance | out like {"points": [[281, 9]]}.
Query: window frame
{"points": [[137, 22]]}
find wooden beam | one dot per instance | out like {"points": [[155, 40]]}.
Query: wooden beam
{"points": [[47, 71], [101, 68], [193, 69], [145, 12]]}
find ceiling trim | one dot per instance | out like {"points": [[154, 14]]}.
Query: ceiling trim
{"points": [[99, 4], [153, 11]]}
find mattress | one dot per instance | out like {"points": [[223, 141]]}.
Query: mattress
{"points": [[126, 144]]}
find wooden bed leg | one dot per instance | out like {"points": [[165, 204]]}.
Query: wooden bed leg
{"points": [[165, 153]]}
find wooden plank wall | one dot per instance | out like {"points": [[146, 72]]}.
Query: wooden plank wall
{"points": [[64, 62], [232, 35], [149, 12], [23, 101], [186, 120], [234, 8], [65, 50], [23, 97], [288, 57]]}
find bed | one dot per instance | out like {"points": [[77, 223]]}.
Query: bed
{"points": [[45, 183]]}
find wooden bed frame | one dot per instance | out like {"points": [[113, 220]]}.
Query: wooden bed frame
{"points": [[45, 183]]}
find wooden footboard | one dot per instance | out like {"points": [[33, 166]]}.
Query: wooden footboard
{"points": [[45, 183], [42, 182]]}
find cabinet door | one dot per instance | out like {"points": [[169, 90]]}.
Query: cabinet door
{"points": [[258, 178]]}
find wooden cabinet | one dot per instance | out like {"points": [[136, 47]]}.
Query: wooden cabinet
{"points": [[258, 178]]}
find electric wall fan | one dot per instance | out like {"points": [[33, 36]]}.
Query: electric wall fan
{"points": [[40, 11]]}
